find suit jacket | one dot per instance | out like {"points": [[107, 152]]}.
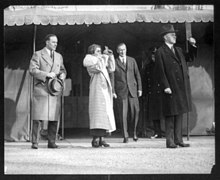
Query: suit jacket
{"points": [[173, 74], [126, 79], [45, 106]]}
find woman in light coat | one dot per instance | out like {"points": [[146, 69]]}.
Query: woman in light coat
{"points": [[102, 121]]}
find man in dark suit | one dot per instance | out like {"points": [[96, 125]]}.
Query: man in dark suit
{"points": [[127, 87], [45, 65], [170, 64]]}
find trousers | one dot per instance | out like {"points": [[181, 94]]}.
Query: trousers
{"points": [[173, 129], [52, 131], [123, 107]]}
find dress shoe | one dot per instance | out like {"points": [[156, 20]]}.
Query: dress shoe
{"points": [[172, 146], [53, 145], [34, 146], [159, 136], [135, 139], [125, 140], [156, 136], [183, 144], [104, 144], [95, 144]]}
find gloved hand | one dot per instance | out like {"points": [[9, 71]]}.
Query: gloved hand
{"points": [[107, 51]]}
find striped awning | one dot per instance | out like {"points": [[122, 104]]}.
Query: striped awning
{"points": [[77, 15]]}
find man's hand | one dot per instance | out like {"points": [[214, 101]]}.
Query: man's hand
{"points": [[51, 75], [192, 41], [62, 76], [139, 93], [114, 95], [107, 51], [168, 91]]}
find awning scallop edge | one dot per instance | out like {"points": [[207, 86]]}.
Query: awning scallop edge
{"points": [[45, 17]]}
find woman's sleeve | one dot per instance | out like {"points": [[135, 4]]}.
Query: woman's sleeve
{"points": [[110, 65], [93, 64]]}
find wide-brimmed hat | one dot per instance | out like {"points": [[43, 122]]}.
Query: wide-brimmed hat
{"points": [[55, 86], [168, 28]]}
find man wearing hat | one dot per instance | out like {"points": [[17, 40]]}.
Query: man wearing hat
{"points": [[170, 64], [48, 71]]}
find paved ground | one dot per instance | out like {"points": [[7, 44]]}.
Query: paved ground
{"points": [[76, 156]]}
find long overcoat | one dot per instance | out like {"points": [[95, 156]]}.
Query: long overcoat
{"points": [[101, 113], [173, 73], [152, 92], [45, 106]]}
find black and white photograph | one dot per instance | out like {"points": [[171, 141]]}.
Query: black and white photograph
{"points": [[109, 89]]}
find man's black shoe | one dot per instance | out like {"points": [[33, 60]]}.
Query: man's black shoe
{"points": [[183, 144], [172, 146], [159, 136], [34, 146], [52, 145], [125, 140]]}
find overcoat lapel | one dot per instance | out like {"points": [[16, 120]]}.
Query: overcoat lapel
{"points": [[128, 63], [55, 63], [180, 57], [168, 51], [46, 57]]}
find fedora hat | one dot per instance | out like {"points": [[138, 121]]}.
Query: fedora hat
{"points": [[168, 28], [55, 86]]}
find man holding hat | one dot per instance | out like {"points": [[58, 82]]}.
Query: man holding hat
{"points": [[48, 71], [170, 64]]}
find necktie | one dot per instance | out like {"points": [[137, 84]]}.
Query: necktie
{"points": [[172, 49], [52, 55], [123, 61]]}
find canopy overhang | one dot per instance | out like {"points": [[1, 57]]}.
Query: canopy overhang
{"points": [[78, 15]]}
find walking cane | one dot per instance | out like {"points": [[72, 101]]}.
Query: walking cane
{"points": [[62, 115]]}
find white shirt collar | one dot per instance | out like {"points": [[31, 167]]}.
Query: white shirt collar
{"points": [[169, 45], [122, 59], [49, 51]]}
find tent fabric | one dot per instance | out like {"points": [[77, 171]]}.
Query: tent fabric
{"points": [[46, 16]]}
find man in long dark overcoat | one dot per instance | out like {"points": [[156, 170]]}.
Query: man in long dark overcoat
{"points": [[152, 93], [44, 65], [170, 64]]}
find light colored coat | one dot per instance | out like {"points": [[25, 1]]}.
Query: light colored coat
{"points": [[100, 93], [45, 106]]}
